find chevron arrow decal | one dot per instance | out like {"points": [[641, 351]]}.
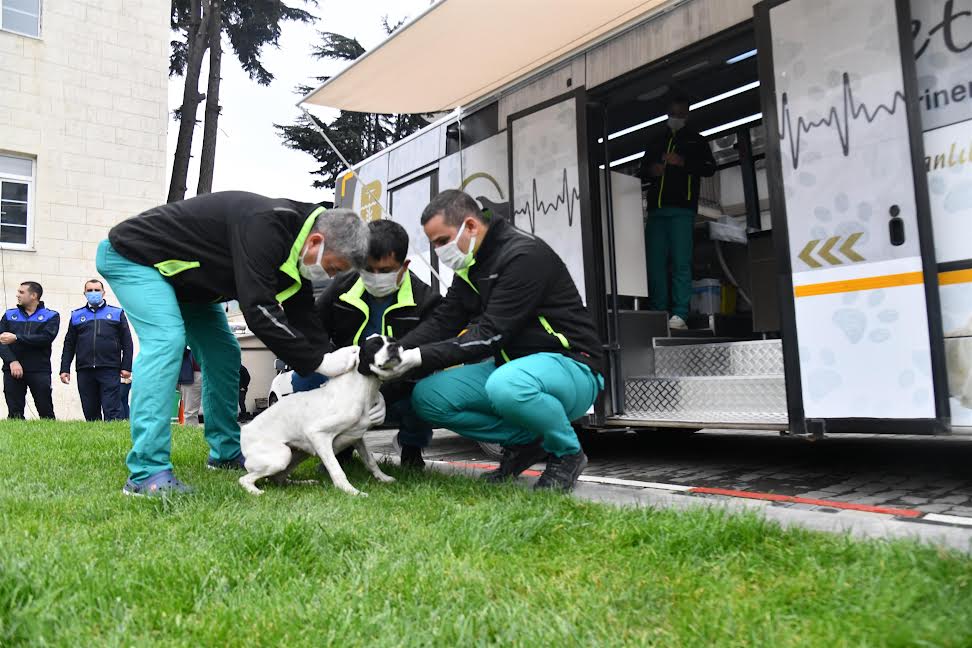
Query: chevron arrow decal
{"points": [[825, 254], [805, 255], [847, 248], [826, 251]]}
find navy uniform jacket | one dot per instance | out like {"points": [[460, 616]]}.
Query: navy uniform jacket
{"points": [[97, 337], [35, 333]]}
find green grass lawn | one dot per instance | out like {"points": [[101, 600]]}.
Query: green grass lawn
{"points": [[430, 560]]}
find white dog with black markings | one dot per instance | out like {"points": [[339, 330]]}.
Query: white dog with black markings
{"points": [[320, 422]]}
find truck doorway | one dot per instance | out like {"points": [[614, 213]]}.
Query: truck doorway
{"points": [[719, 362]]}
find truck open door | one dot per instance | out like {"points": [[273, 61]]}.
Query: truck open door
{"points": [[862, 331], [550, 197]]}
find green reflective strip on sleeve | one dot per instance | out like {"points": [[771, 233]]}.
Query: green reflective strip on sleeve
{"points": [[505, 357], [690, 187], [390, 334], [549, 329], [172, 267]]}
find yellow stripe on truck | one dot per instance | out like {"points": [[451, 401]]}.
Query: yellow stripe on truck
{"points": [[865, 283], [951, 277], [955, 277]]}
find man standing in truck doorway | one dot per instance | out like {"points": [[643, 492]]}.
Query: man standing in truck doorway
{"points": [[674, 164]]}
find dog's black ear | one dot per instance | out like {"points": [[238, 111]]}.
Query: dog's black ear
{"points": [[366, 356]]}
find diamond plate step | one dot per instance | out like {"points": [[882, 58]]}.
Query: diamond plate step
{"points": [[707, 399], [756, 358]]}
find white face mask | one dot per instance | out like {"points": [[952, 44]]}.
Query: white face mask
{"points": [[314, 271], [676, 123], [380, 284], [452, 256]]}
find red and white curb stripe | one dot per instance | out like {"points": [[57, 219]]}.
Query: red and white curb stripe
{"points": [[907, 513]]}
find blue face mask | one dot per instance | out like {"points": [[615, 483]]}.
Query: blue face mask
{"points": [[94, 297]]}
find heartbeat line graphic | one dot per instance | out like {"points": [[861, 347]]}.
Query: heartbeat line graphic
{"points": [[839, 119], [567, 196]]}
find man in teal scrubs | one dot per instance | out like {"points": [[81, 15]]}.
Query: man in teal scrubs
{"points": [[675, 162], [170, 268], [530, 353]]}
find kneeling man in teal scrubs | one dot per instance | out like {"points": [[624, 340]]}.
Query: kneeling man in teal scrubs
{"points": [[530, 355]]}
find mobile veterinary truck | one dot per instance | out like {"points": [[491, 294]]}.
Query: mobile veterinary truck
{"points": [[833, 246]]}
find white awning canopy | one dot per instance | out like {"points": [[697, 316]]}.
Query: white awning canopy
{"points": [[461, 50]]}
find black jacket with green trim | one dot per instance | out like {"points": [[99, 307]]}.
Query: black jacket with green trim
{"points": [[344, 313], [235, 245], [516, 299], [678, 186]]}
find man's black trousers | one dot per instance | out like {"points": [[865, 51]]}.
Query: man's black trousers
{"points": [[100, 391], [15, 392]]}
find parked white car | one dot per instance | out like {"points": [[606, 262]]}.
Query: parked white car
{"points": [[281, 384]]}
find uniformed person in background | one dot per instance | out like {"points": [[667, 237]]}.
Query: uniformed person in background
{"points": [[99, 342], [26, 334]]}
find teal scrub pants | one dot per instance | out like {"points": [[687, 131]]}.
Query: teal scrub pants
{"points": [[163, 327], [668, 232], [533, 397]]}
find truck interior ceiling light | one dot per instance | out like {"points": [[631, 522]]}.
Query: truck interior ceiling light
{"points": [[742, 57], [732, 124], [701, 104]]}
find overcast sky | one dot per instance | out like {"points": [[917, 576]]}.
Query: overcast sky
{"points": [[249, 154]]}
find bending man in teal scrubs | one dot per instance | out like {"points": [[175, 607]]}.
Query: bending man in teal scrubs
{"points": [[514, 319], [172, 265]]}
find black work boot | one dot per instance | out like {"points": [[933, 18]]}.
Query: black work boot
{"points": [[516, 459], [412, 458], [562, 472]]}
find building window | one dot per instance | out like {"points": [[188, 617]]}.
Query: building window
{"points": [[21, 16], [16, 201]]}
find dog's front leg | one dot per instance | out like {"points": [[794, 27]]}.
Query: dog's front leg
{"points": [[370, 463], [324, 445]]}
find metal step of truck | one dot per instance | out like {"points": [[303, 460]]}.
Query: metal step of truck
{"points": [[754, 400], [755, 358], [728, 384]]}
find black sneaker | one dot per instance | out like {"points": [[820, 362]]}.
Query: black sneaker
{"points": [[516, 459], [562, 472], [239, 463], [412, 457]]}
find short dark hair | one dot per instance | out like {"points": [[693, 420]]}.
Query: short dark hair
{"points": [[455, 206], [679, 99], [97, 281], [34, 287], [387, 237]]}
